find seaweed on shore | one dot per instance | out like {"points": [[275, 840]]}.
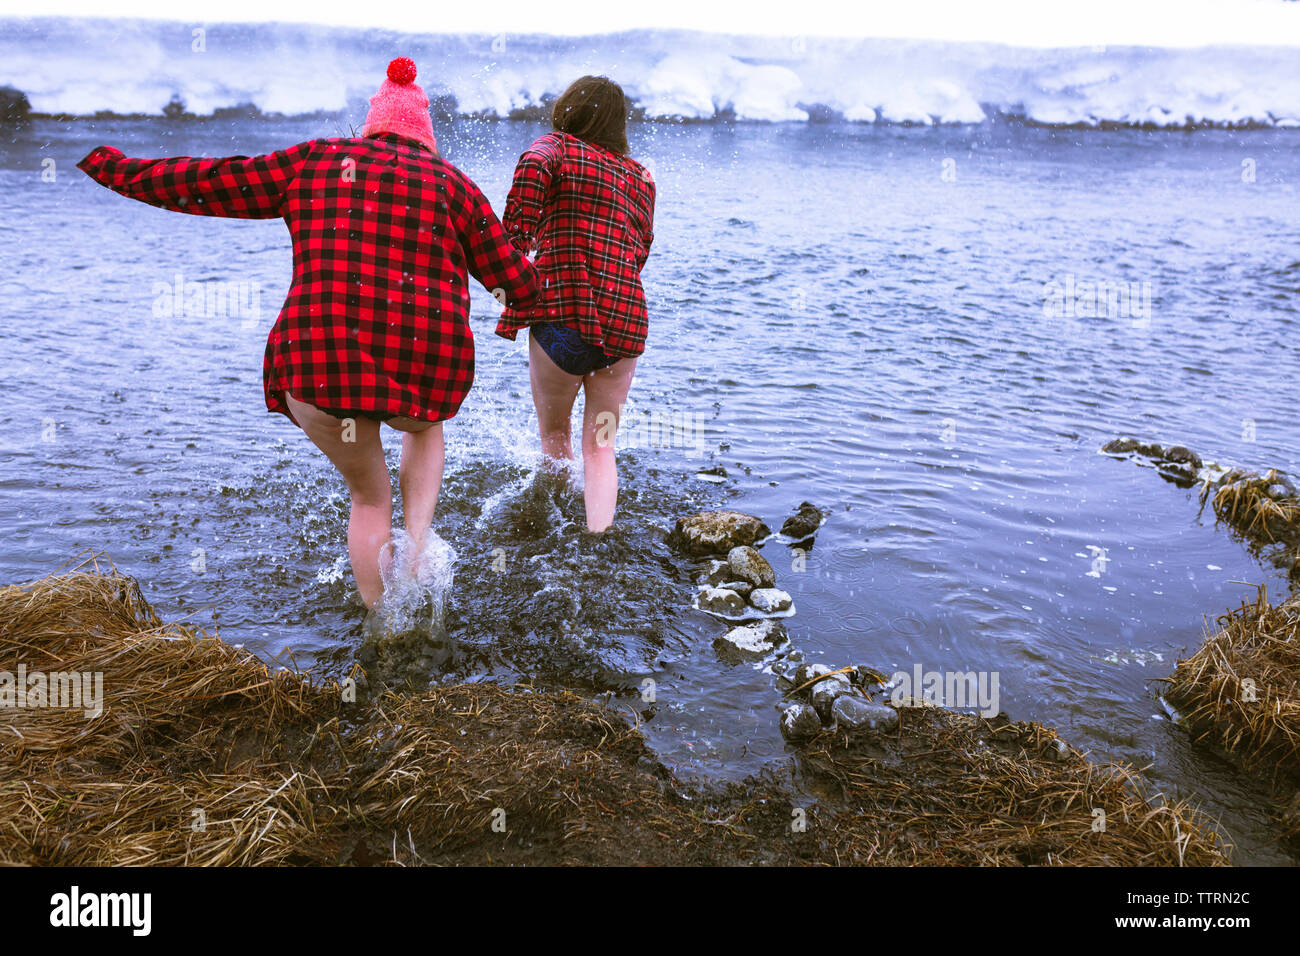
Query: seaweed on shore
{"points": [[202, 756]]}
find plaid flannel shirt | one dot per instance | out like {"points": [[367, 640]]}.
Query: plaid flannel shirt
{"points": [[383, 232], [589, 214]]}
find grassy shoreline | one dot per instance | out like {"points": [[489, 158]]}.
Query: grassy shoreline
{"points": [[203, 756]]}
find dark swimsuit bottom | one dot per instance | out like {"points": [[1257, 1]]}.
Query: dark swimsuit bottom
{"points": [[373, 416], [341, 413], [567, 349]]}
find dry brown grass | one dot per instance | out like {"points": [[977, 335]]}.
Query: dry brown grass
{"points": [[191, 724], [1241, 689], [284, 771], [1021, 795], [1241, 500]]}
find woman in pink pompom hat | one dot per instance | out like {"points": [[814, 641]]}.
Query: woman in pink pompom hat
{"points": [[375, 328]]}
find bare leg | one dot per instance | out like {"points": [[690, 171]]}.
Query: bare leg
{"points": [[606, 391], [554, 391], [361, 463], [420, 476]]}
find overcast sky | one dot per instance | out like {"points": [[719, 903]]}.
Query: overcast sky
{"points": [[1027, 22]]}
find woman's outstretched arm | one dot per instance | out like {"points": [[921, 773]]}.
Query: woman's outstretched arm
{"points": [[244, 187]]}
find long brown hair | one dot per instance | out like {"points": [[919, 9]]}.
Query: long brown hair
{"points": [[593, 109]]}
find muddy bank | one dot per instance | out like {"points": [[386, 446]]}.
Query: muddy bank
{"points": [[202, 756]]}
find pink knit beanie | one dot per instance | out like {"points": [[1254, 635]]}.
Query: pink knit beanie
{"points": [[400, 106]]}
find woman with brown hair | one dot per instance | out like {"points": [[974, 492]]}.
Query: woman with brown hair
{"points": [[586, 209]]}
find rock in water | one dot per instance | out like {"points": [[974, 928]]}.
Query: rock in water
{"points": [[716, 532], [852, 713], [716, 575], [750, 642], [806, 672], [804, 522], [721, 601], [868, 677], [824, 693], [743, 588], [1180, 455], [748, 565], [770, 600], [1180, 464], [799, 722]]}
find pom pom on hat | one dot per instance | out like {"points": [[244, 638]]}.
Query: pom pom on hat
{"points": [[402, 70]]}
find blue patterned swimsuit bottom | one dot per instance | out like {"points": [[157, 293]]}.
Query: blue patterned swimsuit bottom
{"points": [[567, 349]]}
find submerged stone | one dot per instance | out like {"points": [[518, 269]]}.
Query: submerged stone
{"points": [[1128, 446], [1184, 476]]}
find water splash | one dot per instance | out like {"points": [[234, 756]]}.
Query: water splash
{"points": [[416, 584], [335, 573]]}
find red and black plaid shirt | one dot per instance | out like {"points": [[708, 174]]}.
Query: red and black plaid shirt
{"points": [[384, 232], [589, 213]]}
